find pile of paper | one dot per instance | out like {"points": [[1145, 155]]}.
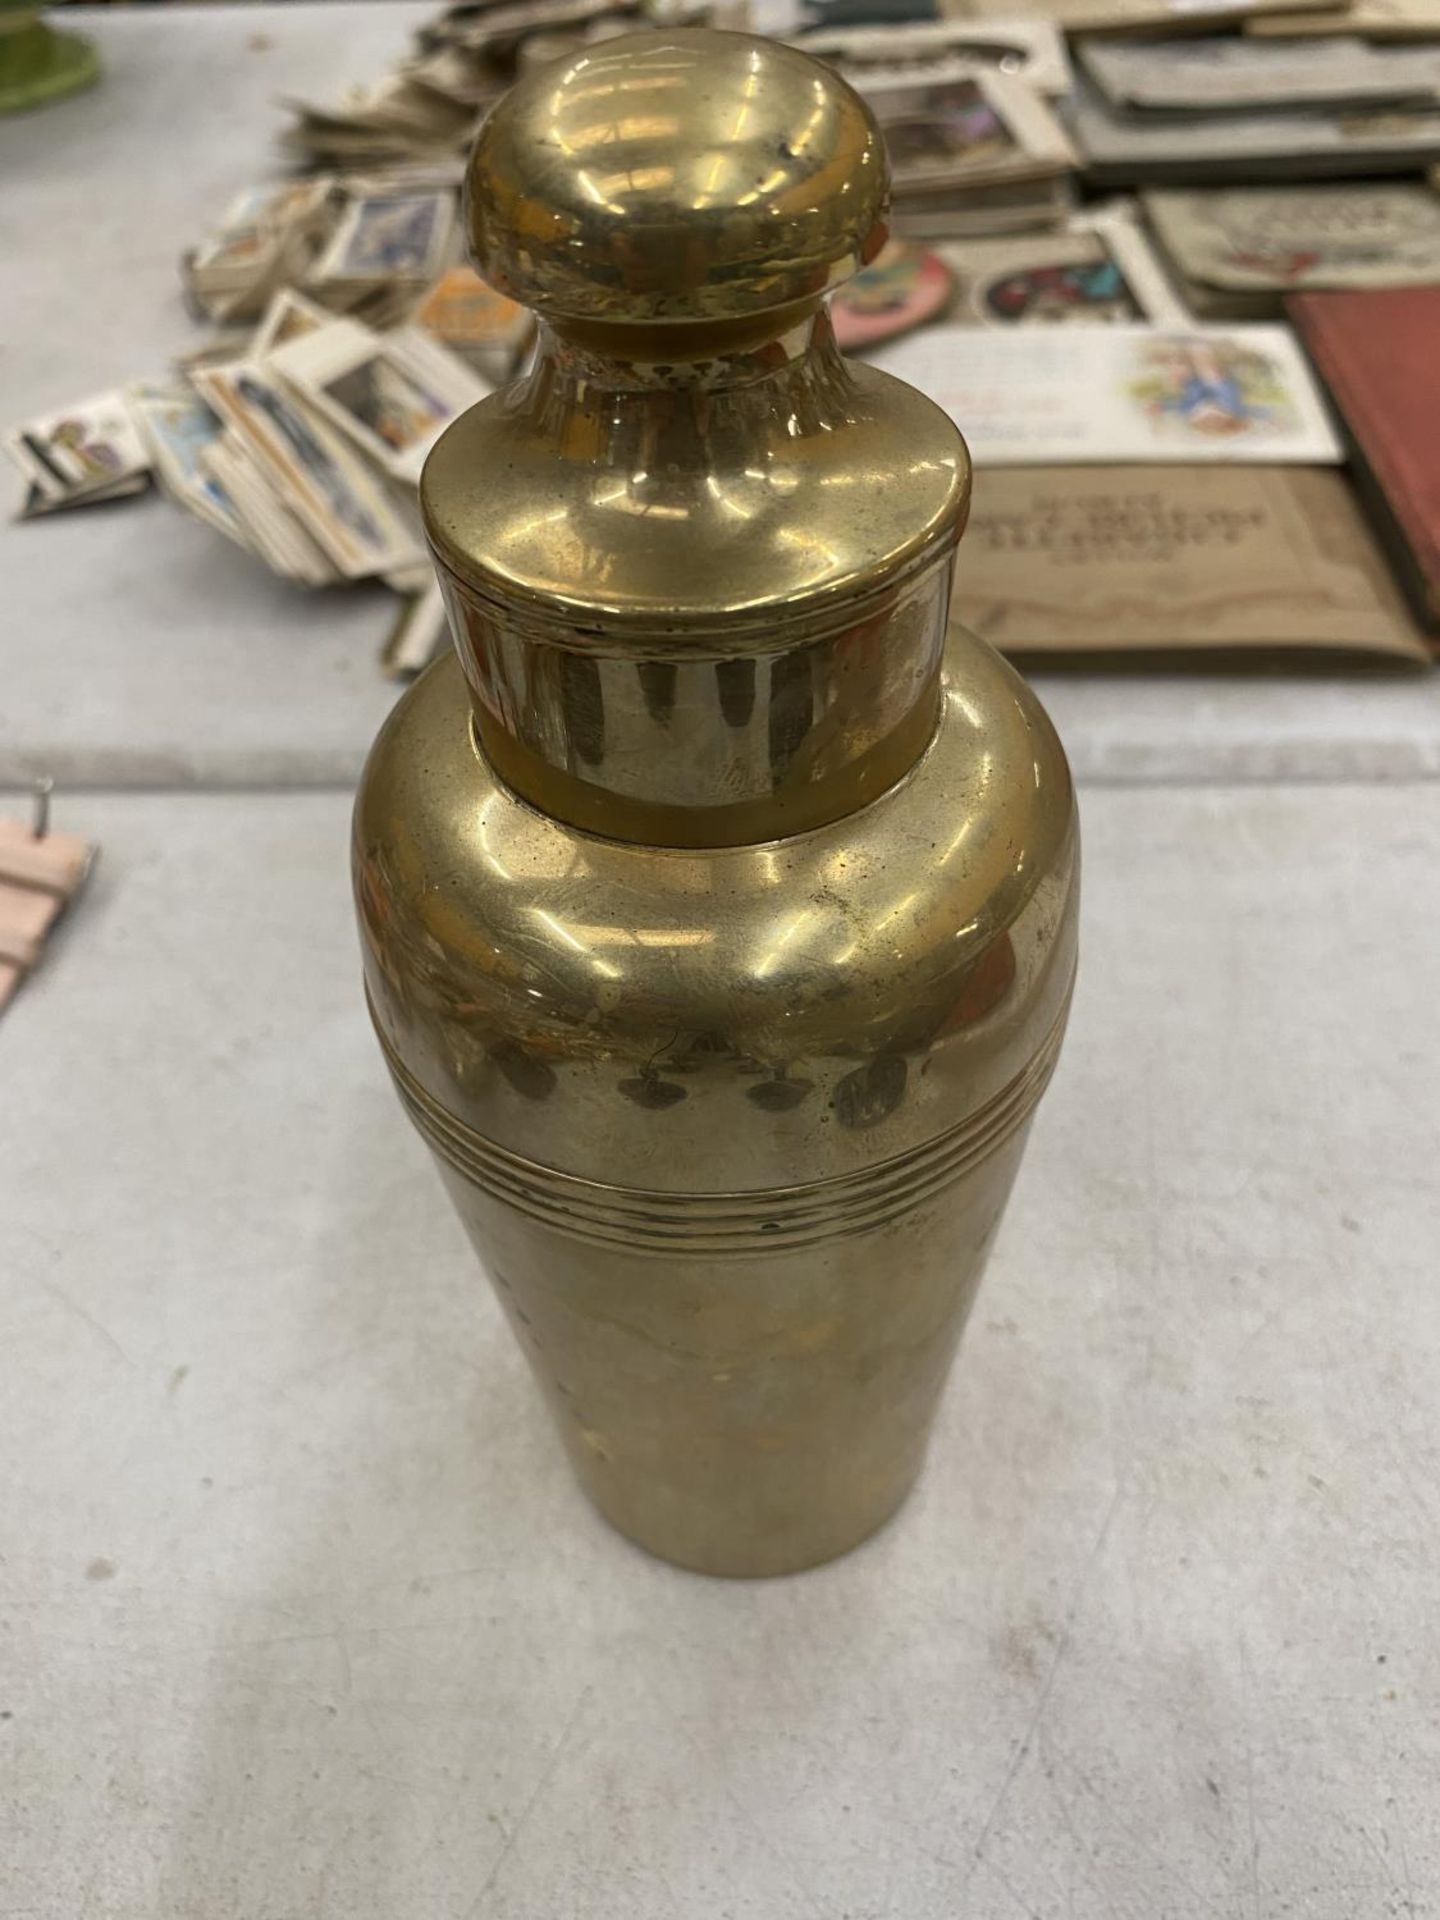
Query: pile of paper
{"points": [[303, 446], [269, 238], [1236, 253], [348, 331], [1032, 50], [1151, 481], [1242, 107], [405, 117], [971, 152], [350, 337], [368, 244], [429, 107], [1375, 20]]}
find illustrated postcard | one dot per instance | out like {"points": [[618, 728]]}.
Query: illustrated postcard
{"points": [[1024, 396]]}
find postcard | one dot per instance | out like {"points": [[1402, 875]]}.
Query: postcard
{"points": [[1082, 395], [1098, 270]]}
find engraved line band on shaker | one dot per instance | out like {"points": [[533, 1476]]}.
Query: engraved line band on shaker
{"points": [[733, 1224]]}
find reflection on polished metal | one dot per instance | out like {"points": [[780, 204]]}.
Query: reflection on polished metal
{"points": [[719, 921]]}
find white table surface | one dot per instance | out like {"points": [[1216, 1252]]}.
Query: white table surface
{"points": [[142, 650], [302, 1614]]}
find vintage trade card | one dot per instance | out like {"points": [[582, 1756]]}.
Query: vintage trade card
{"points": [[392, 394], [270, 529], [467, 315], [419, 632], [178, 426], [403, 236], [345, 507], [288, 317], [73, 453]]}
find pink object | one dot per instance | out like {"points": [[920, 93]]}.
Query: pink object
{"points": [[902, 288], [40, 872]]}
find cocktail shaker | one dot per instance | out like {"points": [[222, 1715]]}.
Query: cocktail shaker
{"points": [[718, 915]]}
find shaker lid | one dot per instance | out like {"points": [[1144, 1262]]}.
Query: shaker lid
{"points": [[689, 175], [689, 465]]}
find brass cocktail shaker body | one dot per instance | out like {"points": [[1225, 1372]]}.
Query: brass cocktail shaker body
{"points": [[719, 919]]}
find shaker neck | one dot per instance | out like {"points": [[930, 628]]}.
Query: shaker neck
{"points": [[718, 723], [718, 353]]}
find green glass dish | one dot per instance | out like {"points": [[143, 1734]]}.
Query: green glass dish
{"points": [[39, 64]]}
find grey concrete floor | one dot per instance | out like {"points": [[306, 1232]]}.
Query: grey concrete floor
{"points": [[303, 1614]]}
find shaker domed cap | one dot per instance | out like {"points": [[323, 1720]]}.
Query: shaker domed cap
{"points": [[685, 175]]}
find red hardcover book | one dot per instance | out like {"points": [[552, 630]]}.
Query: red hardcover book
{"points": [[1379, 355]]}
